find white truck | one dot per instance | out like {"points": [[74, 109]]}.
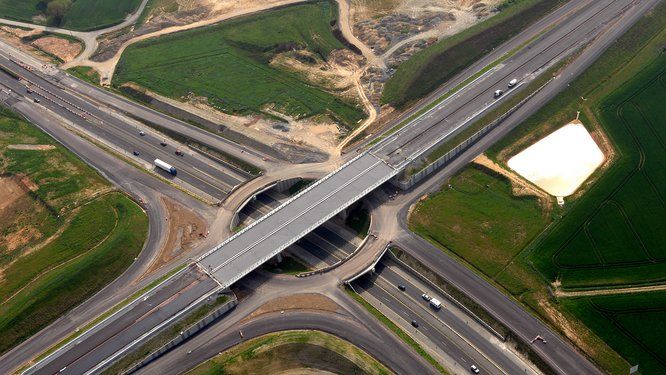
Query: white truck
{"points": [[434, 302], [165, 166]]}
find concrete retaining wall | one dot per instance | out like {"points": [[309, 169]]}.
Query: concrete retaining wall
{"points": [[185, 334]]}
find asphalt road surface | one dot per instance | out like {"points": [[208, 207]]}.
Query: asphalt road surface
{"points": [[88, 352], [209, 176], [452, 330]]}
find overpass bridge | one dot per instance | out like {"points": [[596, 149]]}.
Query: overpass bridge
{"points": [[277, 230]]}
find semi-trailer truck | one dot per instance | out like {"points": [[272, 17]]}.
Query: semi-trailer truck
{"points": [[165, 166]]}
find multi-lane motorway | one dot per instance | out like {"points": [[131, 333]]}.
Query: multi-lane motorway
{"points": [[124, 135], [580, 23]]}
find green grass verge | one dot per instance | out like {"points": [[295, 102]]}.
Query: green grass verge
{"points": [[479, 219], [229, 63], [55, 291], [85, 73], [397, 330], [290, 351], [431, 67], [92, 238]]}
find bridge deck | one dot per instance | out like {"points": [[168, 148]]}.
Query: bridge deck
{"points": [[243, 252]]}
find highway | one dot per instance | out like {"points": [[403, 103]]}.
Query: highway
{"points": [[243, 252], [453, 331], [122, 134], [88, 353], [350, 322], [457, 112]]}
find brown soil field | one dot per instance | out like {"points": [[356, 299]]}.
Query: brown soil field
{"points": [[63, 49], [186, 230]]}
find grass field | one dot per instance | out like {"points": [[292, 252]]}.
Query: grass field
{"points": [[81, 15], [289, 352], [63, 237], [433, 66], [611, 236], [615, 235], [85, 73], [632, 324], [479, 219], [228, 63]]}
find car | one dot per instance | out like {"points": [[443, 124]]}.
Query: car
{"points": [[179, 152], [402, 287], [512, 83], [474, 369], [415, 324], [142, 133], [163, 143], [136, 153], [498, 93], [29, 91], [426, 297], [36, 100]]}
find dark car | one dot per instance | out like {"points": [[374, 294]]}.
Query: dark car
{"points": [[136, 153], [163, 143], [179, 152], [415, 324], [402, 287]]}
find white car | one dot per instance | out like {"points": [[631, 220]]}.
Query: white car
{"points": [[142, 133], [498, 93], [426, 297], [474, 369]]}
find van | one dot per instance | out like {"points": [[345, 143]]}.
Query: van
{"points": [[434, 302]]}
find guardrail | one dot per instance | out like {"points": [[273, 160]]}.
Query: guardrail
{"points": [[184, 335], [461, 147]]}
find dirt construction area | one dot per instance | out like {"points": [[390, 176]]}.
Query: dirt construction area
{"points": [[186, 230], [397, 29]]}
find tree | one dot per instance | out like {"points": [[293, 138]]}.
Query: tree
{"points": [[56, 10]]}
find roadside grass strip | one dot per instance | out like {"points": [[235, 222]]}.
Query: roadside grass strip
{"points": [[103, 252]]}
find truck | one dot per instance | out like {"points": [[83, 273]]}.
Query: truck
{"points": [[512, 82], [434, 302], [165, 166]]}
